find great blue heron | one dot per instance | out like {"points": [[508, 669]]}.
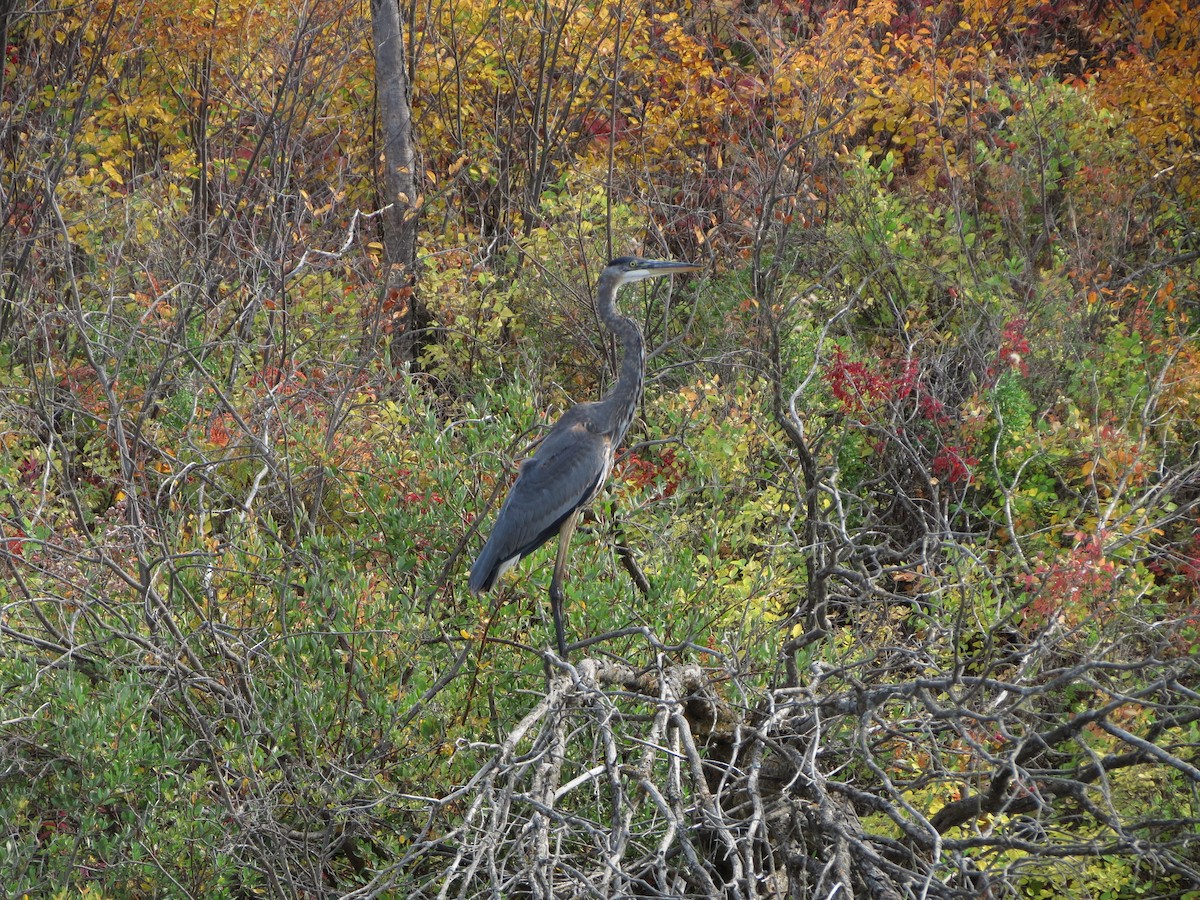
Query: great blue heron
{"points": [[574, 459]]}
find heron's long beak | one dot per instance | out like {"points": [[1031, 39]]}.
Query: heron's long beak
{"points": [[666, 266]]}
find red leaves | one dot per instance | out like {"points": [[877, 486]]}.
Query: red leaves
{"points": [[218, 431], [892, 396], [1014, 350], [422, 501], [1072, 589], [15, 543], [951, 466], [859, 389], [643, 473]]}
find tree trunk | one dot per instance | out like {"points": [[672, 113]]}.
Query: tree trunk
{"points": [[399, 303]]}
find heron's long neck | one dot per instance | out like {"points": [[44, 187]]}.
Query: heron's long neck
{"points": [[625, 395]]}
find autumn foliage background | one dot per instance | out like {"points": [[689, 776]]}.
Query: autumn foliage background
{"points": [[921, 449]]}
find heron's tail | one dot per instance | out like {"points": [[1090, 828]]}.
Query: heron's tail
{"points": [[499, 553], [487, 569]]}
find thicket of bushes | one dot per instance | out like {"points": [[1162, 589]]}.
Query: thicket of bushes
{"points": [[894, 591]]}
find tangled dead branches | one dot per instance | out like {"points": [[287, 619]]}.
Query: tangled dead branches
{"points": [[664, 782]]}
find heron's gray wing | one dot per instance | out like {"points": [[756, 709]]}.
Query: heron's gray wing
{"points": [[565, 473]]}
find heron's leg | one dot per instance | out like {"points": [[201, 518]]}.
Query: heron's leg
{"points": [[556, 594]]}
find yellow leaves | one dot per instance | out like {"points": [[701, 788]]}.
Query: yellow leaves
{"points": [[1158, 19], [1154, 84], [878, 12], [1165, 297], [8, 437], [87, 892]]}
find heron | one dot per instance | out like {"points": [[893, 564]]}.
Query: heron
{"points": [[576, 456]]}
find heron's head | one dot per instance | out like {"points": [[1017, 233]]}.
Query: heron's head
{"points": [[628, 269]]}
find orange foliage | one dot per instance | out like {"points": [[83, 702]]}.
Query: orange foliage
{"points": [[690, 111], [1152, 79]]}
